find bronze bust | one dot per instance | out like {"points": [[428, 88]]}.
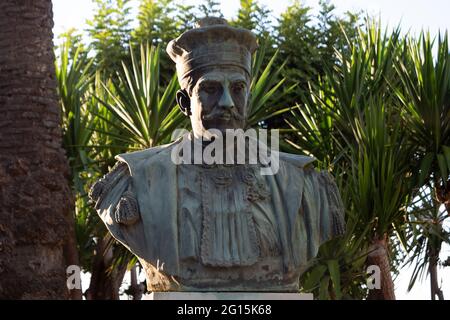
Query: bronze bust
{"points": [[217, 227]]}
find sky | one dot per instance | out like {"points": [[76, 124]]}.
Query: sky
{"points": [[412, 15]]}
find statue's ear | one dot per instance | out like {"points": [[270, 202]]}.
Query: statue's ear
{"points": [[184, 102]]}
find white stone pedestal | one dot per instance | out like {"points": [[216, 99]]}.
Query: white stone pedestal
{"points": [[227, 296]]}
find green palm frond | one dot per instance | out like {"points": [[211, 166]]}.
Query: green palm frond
{"points": [[426, 101], [312, 124], [145, 112], [350, 123], [426, 232], [74, 78], [380, 169], [425, 96], [265, 87]]}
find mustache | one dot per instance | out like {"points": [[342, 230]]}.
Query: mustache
{"points": [[217, 113]]}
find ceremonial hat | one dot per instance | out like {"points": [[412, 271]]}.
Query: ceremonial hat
{"points": [[212, 43]]}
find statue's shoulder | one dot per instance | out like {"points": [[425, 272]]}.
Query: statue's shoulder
{"points": [[319, 186], [297, 160], [137, 161], [322, 178], [137, 157], [117, 183]]}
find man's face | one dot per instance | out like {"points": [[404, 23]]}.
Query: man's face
{"points": [[219, 101]]}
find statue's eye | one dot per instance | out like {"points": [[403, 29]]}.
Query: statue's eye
{"points": [[238, 87], [210, 88]]}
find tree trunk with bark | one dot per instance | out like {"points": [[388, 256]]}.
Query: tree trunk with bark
{"points": [[442, 192], [434, 283], [105, 279], [35, 198], [136, 289], [379, 256]]}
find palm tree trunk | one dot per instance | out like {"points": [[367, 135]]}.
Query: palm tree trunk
{"points": [[135, 286], [72, 258], [435, 290], [35, 198], [442, 198], [105, 280], [379, 256]]}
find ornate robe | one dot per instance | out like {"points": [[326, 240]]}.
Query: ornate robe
{"points": [[218, 228]]}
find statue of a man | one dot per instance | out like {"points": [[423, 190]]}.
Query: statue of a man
{"points": [[217, 227]]}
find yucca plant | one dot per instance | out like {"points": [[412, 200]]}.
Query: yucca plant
{"points": [[353, 113], [375, 154], [105, 142], [74, 74], [265, 87], [107, 139], [312, 126], [380, 174], [375, 188], [425, 96], [366, 71], [146, 114], [426, 235], [74, 78]]}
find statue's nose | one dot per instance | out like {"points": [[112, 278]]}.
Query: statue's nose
{"points": [[226, 101]]}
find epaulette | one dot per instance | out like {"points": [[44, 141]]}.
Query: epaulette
{"points": [[100, 188]]}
